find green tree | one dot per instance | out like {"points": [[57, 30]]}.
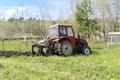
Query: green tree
{"points": [[84, 18]]}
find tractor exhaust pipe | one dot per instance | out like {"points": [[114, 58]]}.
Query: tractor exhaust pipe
{"points": [[79, 37]]}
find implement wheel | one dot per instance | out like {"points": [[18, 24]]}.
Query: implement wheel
{"points": [[46, 52], [37, 49]]}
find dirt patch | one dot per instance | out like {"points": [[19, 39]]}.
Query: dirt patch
{"points": [[15, 53]]}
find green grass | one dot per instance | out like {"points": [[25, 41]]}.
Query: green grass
{"points": [[15, 45], [103, 64]]}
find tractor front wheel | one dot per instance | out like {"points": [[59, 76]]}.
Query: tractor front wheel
{"points": [[86, 50], [66, 48]]}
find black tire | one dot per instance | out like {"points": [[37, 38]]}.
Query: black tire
{"points": [[36, 49], [47, 52], [40, 50], [44, 51], [86, 50], [66, 48]]}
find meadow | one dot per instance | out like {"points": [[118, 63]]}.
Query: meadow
{"points": [[102, 64]]}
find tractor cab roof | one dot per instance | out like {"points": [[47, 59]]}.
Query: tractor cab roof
{"points": [[56, 25]]}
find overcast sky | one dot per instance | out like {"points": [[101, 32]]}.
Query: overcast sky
{"points": [[31, 8]]}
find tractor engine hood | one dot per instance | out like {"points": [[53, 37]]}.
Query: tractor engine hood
{"points": [[82, 40]]}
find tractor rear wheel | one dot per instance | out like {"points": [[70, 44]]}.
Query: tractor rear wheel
{"points": [[66, 48], [86, 50]]}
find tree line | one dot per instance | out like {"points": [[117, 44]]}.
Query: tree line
{"points": [[90, 18]]}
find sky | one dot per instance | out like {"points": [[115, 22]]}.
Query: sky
{"points": [[32, 8]]}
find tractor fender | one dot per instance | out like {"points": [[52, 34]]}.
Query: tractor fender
{"points": [[61, 39]]}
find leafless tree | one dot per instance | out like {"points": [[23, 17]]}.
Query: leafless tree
{"points": [[117, 13], [42, 24], [3, 35], [22, 10]]}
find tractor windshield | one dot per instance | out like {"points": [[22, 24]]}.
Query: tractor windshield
{"points": [[53, 31]]}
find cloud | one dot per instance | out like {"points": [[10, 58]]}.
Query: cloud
{"points": [[28, 12], [32, 8], [22, 9], [33, 12], [9, 13]]}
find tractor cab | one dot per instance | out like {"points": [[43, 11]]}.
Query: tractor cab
{"points": [[62, 32]]}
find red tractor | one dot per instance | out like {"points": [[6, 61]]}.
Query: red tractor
{"points": [[62, 41]]}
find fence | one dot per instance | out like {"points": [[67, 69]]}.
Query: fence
{"points": [[16, 45]]}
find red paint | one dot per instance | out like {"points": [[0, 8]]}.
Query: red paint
{"points": [[59, 36], [82, 40]]}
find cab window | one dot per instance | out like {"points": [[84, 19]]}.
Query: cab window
{"points": [[62, 31], [70, 32], [53, 31]]}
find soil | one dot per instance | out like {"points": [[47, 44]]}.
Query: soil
{"points": [[15, 53]]}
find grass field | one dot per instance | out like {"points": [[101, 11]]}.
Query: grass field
{"points": [[103, 64], [16, 45]]}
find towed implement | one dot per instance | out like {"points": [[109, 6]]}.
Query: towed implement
{"points": [[61, 41]]}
